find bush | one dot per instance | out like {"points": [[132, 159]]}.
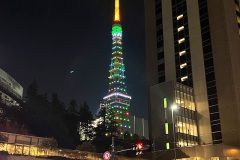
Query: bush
{"points": [[49, 143], [86, 146]]}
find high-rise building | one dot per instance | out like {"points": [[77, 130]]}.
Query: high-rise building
{"points": [[139, 126], [11, 92], [117, 101], [194, 44]]}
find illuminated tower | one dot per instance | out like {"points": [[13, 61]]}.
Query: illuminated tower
{"points": [[117, 100]]}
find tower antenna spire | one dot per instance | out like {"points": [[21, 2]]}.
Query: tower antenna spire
{"points": [[117, 11]]}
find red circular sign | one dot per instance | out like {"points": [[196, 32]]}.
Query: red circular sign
{"points": [[106, 155]]}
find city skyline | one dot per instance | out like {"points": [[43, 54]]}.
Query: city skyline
{"points": [[66, 47]]}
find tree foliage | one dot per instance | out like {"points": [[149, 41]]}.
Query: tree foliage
{"points": [[86, 146], [72, 122], [32, 90], [12, 119], [42, 116], [48, 143], [46, 118], [104, 131]]}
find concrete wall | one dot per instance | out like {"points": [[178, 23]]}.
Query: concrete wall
{"points": [[10, 157], [157, 94], [22, 139], [198, 73], [226, 49], [168, 41]]}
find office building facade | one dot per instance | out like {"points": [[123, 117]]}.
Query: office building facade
{"points": [[173, 110], [196, 43], [139, 126]]}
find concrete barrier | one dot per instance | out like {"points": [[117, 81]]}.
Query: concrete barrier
{"points": [[11, 157]]}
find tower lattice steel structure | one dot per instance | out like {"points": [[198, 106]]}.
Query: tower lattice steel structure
{"points": [[117, 101]]}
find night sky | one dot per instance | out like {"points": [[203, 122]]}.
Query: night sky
{"points": [[46, 39]]}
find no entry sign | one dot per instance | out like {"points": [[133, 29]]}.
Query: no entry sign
{"points": [[106, 155]]}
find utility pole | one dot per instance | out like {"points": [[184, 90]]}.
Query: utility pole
{"points": [[112, 154]]}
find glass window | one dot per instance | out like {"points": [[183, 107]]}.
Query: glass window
{"points": [[184, 78], [180, 28], [182, 53], [183, 65], [181, 40], [180, 16]]}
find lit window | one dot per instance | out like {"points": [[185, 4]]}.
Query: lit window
{"points": [[183, 65], [180, 16], [181, 40], [184, 78], [165, 102], [182, 53], [166, 128], [180, 28], [167, 145]]}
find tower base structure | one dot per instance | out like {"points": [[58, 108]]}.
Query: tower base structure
{"points": [[117, 106]]}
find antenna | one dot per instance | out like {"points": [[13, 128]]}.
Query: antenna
{"points": [[117, 11]]}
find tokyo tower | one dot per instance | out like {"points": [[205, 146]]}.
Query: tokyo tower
{"points": [[117, 101]]}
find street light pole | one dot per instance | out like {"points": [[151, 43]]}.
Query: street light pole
{"points": [[112, 154], [173, 121]]}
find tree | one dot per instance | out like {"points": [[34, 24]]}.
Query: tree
{"points": [[86, 146], [102, 140], [105, 130], [72, 122], [48, 143], [12, 119], [135, 136], [56, 105], [126, 135], [44, 118], [32, 90], [72, 108]]}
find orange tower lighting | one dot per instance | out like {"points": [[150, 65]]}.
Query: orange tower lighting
{"points": [[117, 11]]}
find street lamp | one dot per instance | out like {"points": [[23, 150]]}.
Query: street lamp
{"points": [[174, 107]]}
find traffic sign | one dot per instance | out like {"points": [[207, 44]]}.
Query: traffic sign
{"points": [[106, 155]]}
